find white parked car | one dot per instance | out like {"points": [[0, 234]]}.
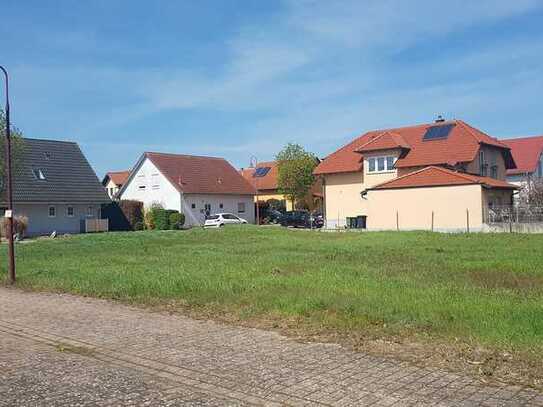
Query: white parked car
{"points": [[221, 219]]}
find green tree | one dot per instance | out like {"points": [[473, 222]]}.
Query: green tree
{"points": [[16, 149], [295, 167]]}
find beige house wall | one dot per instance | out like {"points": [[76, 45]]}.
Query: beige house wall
{"points": [[342, 197], [414, 206], [342, 191]]}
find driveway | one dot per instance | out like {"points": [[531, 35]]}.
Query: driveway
{"points": [[67, 350]]}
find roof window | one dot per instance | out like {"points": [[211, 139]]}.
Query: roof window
{"points": [[38, 174]]}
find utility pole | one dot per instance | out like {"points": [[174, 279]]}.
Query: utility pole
{"points": [[9, 192], [254, 163]]}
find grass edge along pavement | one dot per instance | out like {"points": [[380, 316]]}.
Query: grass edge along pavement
{"points": [[480, 293]]}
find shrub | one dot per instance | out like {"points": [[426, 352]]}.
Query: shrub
{"points": [[177, 220], [133, 212], [156, 217], [161, 218], [149, 219]]}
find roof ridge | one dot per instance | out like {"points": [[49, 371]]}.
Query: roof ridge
{"points": [[504, 140], [430, 167], [117, 172], [274, 162], [404, 176], [457, 173], [184, 155], [49, 140]]}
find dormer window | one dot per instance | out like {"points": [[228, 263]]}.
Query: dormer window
{"points": [[381, 164], [38, 174]]}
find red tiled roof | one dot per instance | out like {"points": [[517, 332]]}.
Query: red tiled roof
{"points": [[526, 152], [118, 177], [267, 182], [384, 141], [201, 175], [438, 176], [460, 146]]}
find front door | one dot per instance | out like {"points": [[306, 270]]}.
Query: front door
{"points": [[207, 209]]}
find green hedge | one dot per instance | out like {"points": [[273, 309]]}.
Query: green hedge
{"points": [[159, 218], [177, 220]]}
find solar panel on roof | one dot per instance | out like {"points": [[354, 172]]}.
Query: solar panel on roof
{"points": [[261, 172], [438, 132]]}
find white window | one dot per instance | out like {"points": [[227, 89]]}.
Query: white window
{"points": [[89, 211], [70, 211], [390, 163], [52, 211], [371, 165], [381, 164], [241, 207], [155, 184]]}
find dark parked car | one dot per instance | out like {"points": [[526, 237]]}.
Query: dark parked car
{"points": [[301, 219], [274, 216]]}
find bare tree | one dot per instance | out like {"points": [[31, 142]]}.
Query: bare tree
{"points": [[532, 192]]}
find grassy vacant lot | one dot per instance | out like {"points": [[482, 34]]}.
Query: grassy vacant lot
{"points": [[480, 289]]}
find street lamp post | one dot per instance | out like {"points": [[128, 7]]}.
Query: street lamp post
{"points": [[254, 163], [9, 191]]}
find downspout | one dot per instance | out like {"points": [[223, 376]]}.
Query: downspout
{"points": [[324, 200]]}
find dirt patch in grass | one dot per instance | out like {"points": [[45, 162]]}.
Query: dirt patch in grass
{"points": [[497, 279]]}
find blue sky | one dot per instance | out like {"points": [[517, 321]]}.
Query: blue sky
{"points": [[240, 78]]}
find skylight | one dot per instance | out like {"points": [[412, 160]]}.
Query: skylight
{"points": [[261, 172], [439, 132], [38, 174]]}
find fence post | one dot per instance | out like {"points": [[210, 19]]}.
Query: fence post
{"points": [[432, 221], [467, 220], [510, 220], [397, 222]]}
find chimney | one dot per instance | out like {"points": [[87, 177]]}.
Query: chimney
{"points": [[440, 119]]}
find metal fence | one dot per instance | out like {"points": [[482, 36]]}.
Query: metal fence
{"points": [[515, 213], [515, 218]]}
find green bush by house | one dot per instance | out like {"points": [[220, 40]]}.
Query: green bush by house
{"points": [[177, 220], [158, 218]]}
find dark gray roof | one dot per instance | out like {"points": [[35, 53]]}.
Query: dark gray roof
{"points": [[68, 175]]}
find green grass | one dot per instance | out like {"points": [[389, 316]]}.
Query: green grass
{"points": [[482, 288]]}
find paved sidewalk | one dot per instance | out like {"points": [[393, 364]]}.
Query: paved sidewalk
{"points": [[66, 350]]}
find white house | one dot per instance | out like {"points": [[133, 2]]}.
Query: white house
{"points": [[193, 185], [113, 181], [55, 187]]}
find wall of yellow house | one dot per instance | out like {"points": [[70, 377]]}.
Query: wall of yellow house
{"points": [[262, 197]]}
